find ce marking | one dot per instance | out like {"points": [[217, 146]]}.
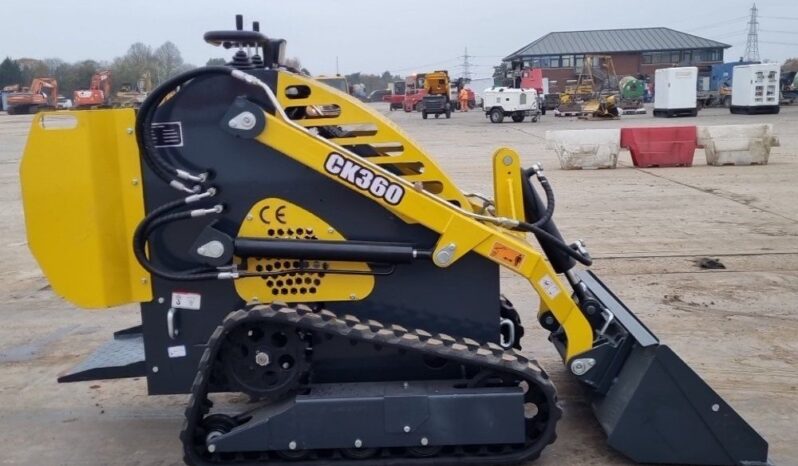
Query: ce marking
{"points": [[279, 215]]}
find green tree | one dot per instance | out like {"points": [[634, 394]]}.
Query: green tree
{"points": [[31, 69], [373, 82], [75, 76], [128, 69], [10, 73], [216, 62]]}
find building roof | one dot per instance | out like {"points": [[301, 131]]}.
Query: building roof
{"points": [[614, 41]]}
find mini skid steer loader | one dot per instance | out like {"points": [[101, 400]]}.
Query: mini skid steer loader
{"points": [[325, 266]]}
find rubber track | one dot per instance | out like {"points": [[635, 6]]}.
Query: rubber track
{"points": [[461, 350]]}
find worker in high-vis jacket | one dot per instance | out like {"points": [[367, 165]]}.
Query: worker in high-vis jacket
{"points": [[463, 100]]}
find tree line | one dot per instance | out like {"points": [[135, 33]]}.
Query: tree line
{"points": [[158, 63], [140, 60]]}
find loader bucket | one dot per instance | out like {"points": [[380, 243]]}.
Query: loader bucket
{"points": [[658, 410]]}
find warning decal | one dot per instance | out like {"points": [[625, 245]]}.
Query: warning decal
{"points": [[506, 254], [549, 287]]}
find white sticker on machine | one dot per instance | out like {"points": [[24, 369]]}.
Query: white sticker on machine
{"points": [[167, 134], [182, 300], [549, 286], [177, 351]]}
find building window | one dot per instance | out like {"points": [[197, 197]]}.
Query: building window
{"points": [[647, 58], [708, 55], [579, 61], [566, 61], [687, 56], [551, 62]]}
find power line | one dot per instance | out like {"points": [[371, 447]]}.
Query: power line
{"points": [[730, 34], [719, 23], [788, 18], [779, 43], [778, 32], [427, 65]]}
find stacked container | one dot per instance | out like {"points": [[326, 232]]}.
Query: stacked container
{"points": [[675, 92], [755, 88]]}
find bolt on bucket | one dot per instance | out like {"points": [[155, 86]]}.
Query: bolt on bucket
{"points": [[653, 407]]}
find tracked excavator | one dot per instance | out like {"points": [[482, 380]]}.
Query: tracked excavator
{"points": [[342, 282]]}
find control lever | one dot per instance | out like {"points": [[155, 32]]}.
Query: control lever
{"points": [[238, 38]]}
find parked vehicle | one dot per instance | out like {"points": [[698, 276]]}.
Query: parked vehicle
{"points": [[397, 96], [4, 93], [789, 87], [42, 94], [437, 100], [98, 93], [63, 103], [338, 82], [414, 92], [501, 102], [378, 95]]}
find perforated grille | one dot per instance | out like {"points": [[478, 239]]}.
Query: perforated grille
{"points": [[290, 283]]}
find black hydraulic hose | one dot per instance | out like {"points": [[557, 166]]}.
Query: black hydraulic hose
{"points": [[146, 114], [537, 226], [556, 242], [153, 221], [547, 189]]}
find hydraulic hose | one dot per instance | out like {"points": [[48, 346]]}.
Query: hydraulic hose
{"points": [[545, 231], [547, 189], [140, 241], [160, 217], [165, 170], [556, 242]]}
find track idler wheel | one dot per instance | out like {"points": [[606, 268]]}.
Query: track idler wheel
{"points": [[264, 362], [214, 426]]}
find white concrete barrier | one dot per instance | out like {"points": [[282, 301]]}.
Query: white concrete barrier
{"points": [[737, 144], [585, 148]]}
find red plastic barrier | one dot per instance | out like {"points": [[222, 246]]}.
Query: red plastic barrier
{"points": [[665, 146]]}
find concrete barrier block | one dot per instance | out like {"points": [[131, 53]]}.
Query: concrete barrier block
{"points": [[585, 148], [737, 144]]}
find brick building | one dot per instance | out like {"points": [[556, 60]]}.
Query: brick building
{"points": [[634, 52]]}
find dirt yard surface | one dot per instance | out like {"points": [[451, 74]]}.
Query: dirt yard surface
{"points": [[646, 228]]}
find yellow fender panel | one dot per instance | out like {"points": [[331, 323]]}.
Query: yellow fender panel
{"points": [[82, 196]]}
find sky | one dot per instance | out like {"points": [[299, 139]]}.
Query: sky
{"points": [[373, 36]]}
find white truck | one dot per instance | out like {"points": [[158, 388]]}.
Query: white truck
{"points": [[500, 102]]}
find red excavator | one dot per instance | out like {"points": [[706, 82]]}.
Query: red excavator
{"points": [[98, 94], [42, 94]]}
